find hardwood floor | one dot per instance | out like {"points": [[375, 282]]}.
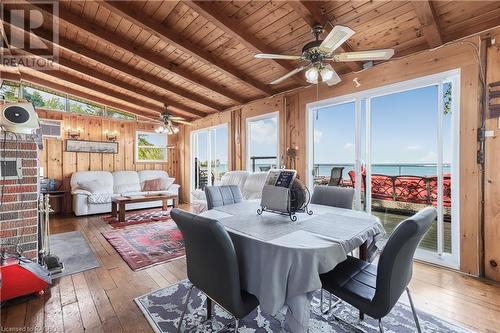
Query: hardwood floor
{"points": [[101, 299]]}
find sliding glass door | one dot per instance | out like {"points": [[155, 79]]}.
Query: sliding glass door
{"points": [[209, 156], [402, 156]]}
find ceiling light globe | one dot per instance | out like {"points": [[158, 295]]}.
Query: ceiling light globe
{"points": [[326, 74], [312, 75]]}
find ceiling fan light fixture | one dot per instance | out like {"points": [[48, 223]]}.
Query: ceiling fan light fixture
{"points": [[326, 74], [312, 75]]}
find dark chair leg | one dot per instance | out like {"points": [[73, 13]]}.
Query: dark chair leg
{"points": [[380, 327], [415, 317], [209, 308], [361, 316], [185, 308]]}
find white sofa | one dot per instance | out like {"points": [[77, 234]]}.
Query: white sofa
{"points": [[114, 184], [250, 184]]}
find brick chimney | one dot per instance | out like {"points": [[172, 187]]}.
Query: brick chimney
{"points": [[18, 197]]}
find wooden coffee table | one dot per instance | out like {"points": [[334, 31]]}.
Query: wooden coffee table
{"points": [[118, 203]]}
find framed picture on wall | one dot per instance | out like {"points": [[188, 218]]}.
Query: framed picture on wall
{"points": [[86, 146]]}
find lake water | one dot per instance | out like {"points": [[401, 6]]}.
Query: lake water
{"points": [[389, 169]]}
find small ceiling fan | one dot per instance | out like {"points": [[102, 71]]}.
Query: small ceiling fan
{"points": [[168, 121], [319, 52]]}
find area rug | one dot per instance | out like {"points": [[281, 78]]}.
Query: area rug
{"points": [[139, 217], [162, 308], [74, 252], [147, 245]]}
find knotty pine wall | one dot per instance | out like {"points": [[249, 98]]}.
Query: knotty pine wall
{"points": [[60, 165], [293, 127]]}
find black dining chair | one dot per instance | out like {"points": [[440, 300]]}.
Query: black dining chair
{"points": [[333, 196], [374, 290], [222, 195], [212, 266], [336, 176]]}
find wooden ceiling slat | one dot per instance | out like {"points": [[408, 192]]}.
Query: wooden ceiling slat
{"points": [[94, 73], [429, 21], [312, 16], [107, 37], [187, 47], [232, 28]]}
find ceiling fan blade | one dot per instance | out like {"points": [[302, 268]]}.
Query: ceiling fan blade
{"points": [[182, 122], [277, 56], [338, 36], [289, 74], [383, 54], [334, 79], [176, 118]]}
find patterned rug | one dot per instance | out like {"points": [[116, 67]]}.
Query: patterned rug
{"points": [[147, 245], [139, 217], [162, 308]]}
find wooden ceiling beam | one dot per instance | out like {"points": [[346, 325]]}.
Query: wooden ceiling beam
{"points": [[107, 37], [118, 66], [233, 28], [110, 38], [185, 45], [310, 12], [429, 21]]}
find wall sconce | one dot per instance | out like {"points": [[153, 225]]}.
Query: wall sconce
{"points": [[111, 136], [74, 133]]}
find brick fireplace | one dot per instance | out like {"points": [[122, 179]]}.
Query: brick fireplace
{"points": [[19, 204]]}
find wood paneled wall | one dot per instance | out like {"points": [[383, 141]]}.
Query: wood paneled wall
{"points": [[492, 168], [60, 165], [294, 132]]}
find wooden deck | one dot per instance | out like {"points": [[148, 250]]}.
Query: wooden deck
{"points": [[429, 242], [101, 299]]}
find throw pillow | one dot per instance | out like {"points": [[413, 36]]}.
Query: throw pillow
{"points": [[166, 183], [93, 186], [152, 185]]}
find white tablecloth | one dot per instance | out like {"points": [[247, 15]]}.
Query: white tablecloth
{"points": [[280, 260]]}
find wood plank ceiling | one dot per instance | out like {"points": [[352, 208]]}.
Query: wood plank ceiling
{"points": [[198, 56]]}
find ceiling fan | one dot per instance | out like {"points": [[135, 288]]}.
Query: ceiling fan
{"points": [[168, 121], [319, 52]]}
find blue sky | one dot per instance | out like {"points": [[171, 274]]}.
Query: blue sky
{"points": [[219, 144], [404, 129]]}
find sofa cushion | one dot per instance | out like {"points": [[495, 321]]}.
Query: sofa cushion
{"points": [[152, 185], [254, 185], [105, 177], [126, 181], [99, 198], [237, 178], [198, 194], [93, 186]]}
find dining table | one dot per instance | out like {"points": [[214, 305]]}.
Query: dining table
{"points": [[281, 260]]}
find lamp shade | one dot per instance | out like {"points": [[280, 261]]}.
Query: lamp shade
{"points": [[312, 75]]}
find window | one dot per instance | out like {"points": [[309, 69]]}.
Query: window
{"points": [[151, 147], [262, 142], [77, 105], [10, 91], [209, 155], [42, 98], [117, 114], [397, 145]]}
